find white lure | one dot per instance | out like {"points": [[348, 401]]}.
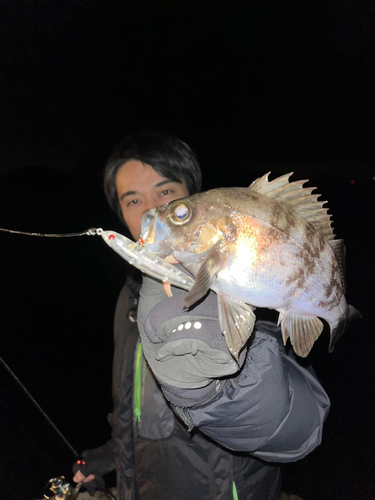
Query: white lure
{"points": [[146, 261]]}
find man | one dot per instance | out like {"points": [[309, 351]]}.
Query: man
{"points": [[216, 439]]}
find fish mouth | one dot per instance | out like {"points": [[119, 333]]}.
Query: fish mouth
{"points": [[154, 233]]}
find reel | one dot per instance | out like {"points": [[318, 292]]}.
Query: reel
{"points": [[58, 488]]}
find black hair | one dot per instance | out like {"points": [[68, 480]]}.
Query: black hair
{"points": [[167, 155]]}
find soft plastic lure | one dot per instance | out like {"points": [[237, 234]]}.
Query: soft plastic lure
{"points": [[134, 253]]}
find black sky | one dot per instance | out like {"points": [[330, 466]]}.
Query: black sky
{"points": [[251, 86], [288, 79]]}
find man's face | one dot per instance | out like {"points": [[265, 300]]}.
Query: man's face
{"points": [[140, 188]]}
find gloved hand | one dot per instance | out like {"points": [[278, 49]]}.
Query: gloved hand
{"points": [[92, 465], [185, 349], [91, 483]]}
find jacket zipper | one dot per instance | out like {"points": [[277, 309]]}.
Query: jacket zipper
{"points": [[138, 383]]}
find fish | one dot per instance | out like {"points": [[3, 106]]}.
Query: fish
{"points": [[269, 245]]}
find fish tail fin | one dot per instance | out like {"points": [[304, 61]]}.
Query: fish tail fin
{"points": [[336, 332]]}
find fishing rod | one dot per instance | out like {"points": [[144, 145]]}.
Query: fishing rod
{"points": [[36, 404], [61, 488]]}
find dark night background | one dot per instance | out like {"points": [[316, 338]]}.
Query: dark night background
{"points": [[252, 86]]}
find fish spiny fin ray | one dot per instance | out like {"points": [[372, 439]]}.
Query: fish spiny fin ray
{"points": [[236, 321], [283, 332], [297, 198], [339, 250], [214, 262], [302, 331]]}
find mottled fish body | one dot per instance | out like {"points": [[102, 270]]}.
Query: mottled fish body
{"points": [[270, 245]]}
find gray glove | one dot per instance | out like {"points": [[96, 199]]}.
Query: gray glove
{"points": [[98, 461], [184, 349]]}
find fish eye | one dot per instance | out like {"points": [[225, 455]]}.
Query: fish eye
{"points": [[179, 214]]}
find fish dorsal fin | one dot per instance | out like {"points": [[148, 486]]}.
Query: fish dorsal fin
{"points": [[299, 199], [339, 250]]}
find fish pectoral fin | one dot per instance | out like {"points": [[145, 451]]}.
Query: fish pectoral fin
{"points": [[236, 321], [213, 263], [303, 331]]}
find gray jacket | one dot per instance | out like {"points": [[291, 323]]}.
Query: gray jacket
{"points": [[163, 451]]}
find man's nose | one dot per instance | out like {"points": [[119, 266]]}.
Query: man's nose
{"points": [[147, 208], [150, 203]]}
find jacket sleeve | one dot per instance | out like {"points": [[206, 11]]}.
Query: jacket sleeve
{"points": [[271, 406], [274, 408]]}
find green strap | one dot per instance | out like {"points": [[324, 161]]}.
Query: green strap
{"points": [[235, 494], [138, 382]]}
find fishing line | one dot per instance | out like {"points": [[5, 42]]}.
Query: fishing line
{"points": [[93, 231]]}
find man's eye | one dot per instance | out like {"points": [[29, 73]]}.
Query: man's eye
{"points": [[166, 191], [133, 202]]}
